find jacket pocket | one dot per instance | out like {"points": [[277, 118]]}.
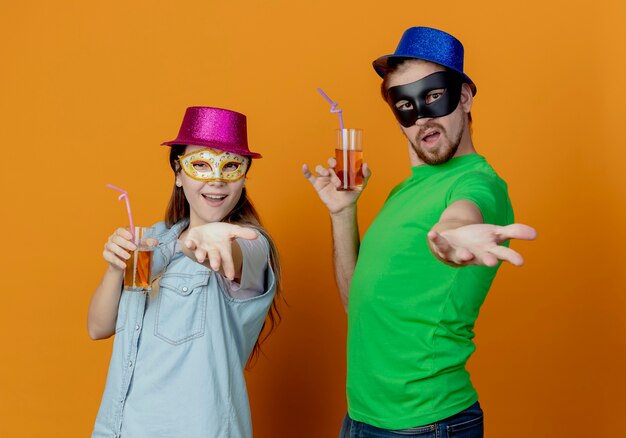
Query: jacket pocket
{"points": [[181, 307]]}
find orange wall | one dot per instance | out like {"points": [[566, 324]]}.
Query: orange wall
{"points": [[88, 90]]}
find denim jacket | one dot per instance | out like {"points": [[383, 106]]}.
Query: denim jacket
{"points": [[177, 364]]}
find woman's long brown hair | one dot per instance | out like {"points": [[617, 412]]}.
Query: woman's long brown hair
{"points": [[243, 214]]}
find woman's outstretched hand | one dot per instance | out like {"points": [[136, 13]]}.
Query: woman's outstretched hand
{"points": [[212, 245]]}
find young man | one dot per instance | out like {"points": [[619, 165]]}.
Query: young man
{"points": [[414, 286]]}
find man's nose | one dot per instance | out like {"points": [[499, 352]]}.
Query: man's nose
{"points": [[422, 121]]}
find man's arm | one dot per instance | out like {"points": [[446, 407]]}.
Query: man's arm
{"points": [[346, 244], [461, 238], [343, 214]]}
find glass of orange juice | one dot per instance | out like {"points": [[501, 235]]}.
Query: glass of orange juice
{"points": [[349, 155], [137, 275]]}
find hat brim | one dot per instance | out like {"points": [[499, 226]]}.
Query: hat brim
{"points": [[381, 66], [213, 144]]}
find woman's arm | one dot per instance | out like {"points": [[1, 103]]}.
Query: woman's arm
{"points": [[102, 314]]}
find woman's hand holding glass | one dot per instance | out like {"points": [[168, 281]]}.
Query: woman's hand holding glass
{"points": [[116, 249]]}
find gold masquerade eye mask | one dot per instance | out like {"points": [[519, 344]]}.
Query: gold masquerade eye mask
{"points": [[213, 165]]}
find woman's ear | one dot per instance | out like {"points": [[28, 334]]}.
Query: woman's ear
{"points": [[178, 182]]}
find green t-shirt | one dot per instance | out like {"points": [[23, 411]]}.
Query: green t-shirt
{"points": [[410, 316]]}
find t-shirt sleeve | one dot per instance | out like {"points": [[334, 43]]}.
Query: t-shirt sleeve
{"points": [[488, 193], [255, 264]]}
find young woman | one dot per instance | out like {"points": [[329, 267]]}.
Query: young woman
{"points": [[179, 352]]}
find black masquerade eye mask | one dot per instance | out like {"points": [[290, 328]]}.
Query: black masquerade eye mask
{"points": [[413, 101]]}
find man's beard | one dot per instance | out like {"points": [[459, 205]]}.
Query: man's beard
{"points": [[444, 152]]}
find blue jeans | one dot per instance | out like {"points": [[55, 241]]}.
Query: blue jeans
{"points": [[465, 424]]}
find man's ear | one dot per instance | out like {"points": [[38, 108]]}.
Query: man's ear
{"points": [[467, 98]]}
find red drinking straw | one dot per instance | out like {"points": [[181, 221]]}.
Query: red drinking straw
{"points": [[333, 107], [124, 196]]}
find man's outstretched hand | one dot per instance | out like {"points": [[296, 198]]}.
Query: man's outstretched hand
{"points": [[479, 244]]}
